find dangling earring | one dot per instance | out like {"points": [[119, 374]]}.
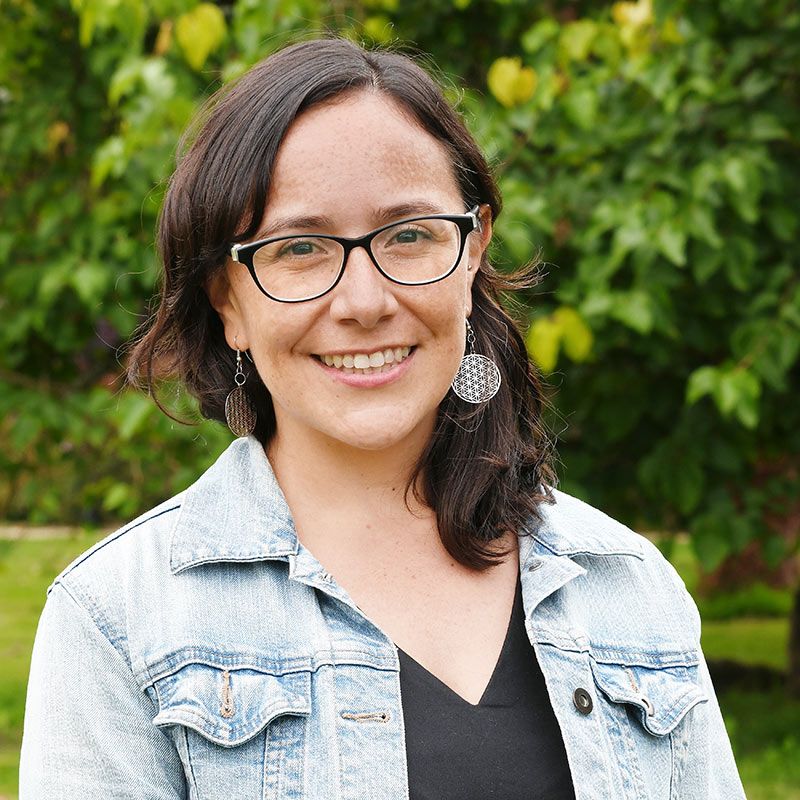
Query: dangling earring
{"points": [[478, 378], [240, 413]]}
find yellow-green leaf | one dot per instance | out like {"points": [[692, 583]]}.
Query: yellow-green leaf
{"points": [[633, 15], [542, 341], [576, 335], [510, 82], [199, 32], [576, 39]]}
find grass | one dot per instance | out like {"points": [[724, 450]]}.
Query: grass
{"points": [[765, 733], [749, 640], [763, 726], [26, 570]]}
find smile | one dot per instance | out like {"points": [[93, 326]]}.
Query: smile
{"points": [[367, 363]]}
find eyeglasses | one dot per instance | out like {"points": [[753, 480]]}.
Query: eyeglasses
{"points": [[413, 252]]}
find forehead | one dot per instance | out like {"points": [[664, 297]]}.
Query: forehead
{"points": [[362, 149]]}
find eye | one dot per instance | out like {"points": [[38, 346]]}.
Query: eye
{"points": [[410, 236], [298, 247]]}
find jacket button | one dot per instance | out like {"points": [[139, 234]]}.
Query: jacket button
{"points": [[583, 701]]}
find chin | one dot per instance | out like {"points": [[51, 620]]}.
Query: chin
{"points": [[382, 434]]}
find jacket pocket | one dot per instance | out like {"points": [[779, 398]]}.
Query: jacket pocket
{"points": [[228, 706], [661, 693], [239, 729]]}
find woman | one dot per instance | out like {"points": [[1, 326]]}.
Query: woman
{"points": [[344, 605]]}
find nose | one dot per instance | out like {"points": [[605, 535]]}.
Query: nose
{"points": [[363, 295]]}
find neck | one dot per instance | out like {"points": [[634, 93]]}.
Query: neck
{"points": [[344, 481]]}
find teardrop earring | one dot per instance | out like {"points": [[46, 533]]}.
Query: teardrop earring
{"points": [[478, 378], [240, 413]]}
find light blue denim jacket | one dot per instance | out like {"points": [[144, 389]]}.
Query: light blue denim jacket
{"points": [[203, 652]]}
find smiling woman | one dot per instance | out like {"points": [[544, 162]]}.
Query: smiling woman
{"points": [[375, 592]]}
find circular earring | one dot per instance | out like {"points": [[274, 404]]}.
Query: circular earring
{"points": [[478, 378], [240, 413]]}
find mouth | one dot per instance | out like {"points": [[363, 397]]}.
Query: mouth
{"points": [[367, 363]]}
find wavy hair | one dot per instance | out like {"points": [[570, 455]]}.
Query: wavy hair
{"points": [[486, 469]]}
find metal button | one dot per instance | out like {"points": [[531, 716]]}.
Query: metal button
{"points": [[583, 701], [534, 566]]}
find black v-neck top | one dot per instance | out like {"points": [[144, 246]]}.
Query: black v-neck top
{"points": [[507, 746]]}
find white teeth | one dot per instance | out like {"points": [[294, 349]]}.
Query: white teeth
{"points": [[367, 363]]}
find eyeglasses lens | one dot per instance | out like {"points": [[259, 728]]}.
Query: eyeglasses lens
{"points": [[420, 251]]}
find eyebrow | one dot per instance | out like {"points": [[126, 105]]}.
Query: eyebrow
{"points": [[382, 216]]}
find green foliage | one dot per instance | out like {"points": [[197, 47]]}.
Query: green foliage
{"points": [[649, 154]]}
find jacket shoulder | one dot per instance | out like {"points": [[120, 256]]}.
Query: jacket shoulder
{"points": [[570, 526], [113, 550], [620, 564]]}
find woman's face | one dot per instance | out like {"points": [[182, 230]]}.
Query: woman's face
{"points": [[345, 168]]}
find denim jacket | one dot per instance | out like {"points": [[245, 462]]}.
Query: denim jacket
{"points": [[203, 652]]}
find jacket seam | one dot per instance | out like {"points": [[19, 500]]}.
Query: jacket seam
{"points": [[78, 601], [112, 538]]}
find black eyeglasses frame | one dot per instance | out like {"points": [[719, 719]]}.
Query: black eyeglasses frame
{"points": [[467, 223]]}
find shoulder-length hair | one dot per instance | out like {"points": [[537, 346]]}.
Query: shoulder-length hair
{"points": [[484, 470]]}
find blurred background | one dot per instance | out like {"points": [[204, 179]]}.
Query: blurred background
{"points": [[648, 156]]}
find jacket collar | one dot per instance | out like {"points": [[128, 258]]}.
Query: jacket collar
{"points": [[237, 512], [570, 527], [234, 512]]}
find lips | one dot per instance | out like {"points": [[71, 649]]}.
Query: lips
{"points": [[367, 363]]}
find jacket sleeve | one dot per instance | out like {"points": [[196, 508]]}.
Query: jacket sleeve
{"points": [[709, 764], [88, 726]]}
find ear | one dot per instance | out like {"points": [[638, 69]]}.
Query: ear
{"points": [[222, 297], [477, 243]]}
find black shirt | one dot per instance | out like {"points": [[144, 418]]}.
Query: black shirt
{"points": [[507, 746]]}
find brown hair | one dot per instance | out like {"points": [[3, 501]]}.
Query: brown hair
{"points": [[485, 469]]}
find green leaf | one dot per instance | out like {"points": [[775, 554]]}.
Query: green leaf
{"points": [[576, 335], [635, 310], [199, 32], [90, 281], [687, 484], [706, 260], [580, 107], [740, 263], [576, 39], [701, 225], [735, 172], [766, 127], [117, 497], [671, 240], [542, 341], [709, 539], [539, 34], [737, 392], [782, 220], [701, 382]]}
